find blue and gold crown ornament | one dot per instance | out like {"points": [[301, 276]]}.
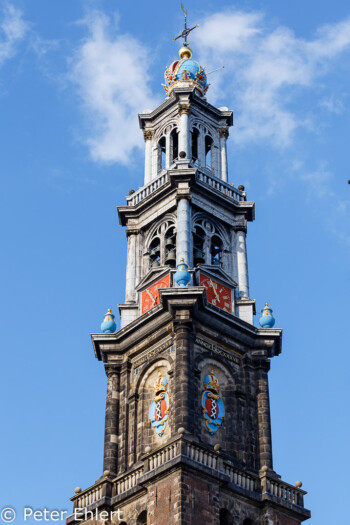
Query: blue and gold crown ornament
{"points": [[267, 320], [185, 72], [108, 325]]}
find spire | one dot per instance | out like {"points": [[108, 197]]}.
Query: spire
{"points": [[185, 72], [185, 51]]}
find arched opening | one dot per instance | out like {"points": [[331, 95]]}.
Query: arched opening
{"points": [[208, 151], [162, 156], [194, 144], [248, 521], [216, 251], [170, 247], [154, 252], [225, 517], [174, 138], [198, 246], [142, 518]]}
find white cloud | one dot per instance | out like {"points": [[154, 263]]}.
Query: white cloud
{"points": [[111, 75], [13, 29], [265, 70]]}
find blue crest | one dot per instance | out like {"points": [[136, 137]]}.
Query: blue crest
{"points": [[159, 407], [212, 405]]}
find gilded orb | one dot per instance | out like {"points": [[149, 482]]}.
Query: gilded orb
{"points": [[185, 52]]}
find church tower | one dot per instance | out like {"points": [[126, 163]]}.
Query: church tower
{"points": [[187, 428]]}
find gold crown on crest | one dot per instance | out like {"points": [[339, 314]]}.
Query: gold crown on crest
{"points": [[161, 384], [211, 382]]}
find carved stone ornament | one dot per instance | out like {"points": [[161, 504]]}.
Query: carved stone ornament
{"points": [[148, 134], [184, 109], [223, 133]]}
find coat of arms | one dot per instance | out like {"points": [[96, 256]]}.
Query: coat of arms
{"points": [[159, 407], [212, 404]]}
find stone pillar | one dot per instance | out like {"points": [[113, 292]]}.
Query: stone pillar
{"points": [[133, 401], [223, 134], [131, 268], [184, 111], [242, 262], [264, 421], [168, 146], [183, 240], [183, 371], [147, 135], [110, 460], [124, 416]]}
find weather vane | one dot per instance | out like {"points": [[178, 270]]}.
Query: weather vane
{"points": [[186, 31]]}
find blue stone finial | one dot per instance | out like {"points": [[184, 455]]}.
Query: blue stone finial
{"points": [[108, 325], [182, 277], [267, 320]]}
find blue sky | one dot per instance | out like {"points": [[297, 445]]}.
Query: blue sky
{"points": [[73, 76]]}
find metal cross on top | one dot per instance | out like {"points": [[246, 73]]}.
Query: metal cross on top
{"points": [[186, 31]]}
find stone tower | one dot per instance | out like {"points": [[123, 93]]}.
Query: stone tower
{"points": [[187, 429]]}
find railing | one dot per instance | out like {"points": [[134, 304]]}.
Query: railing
{"points": [[205, 178], [89, 496], [163, 456], [201, 455], [144, 192], [265, 486], [129, 481], [283, 491], [242, 479], [221, 186]]}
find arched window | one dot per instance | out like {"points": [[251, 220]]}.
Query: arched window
{"points": [[162, 157], [216, 251], [170, 247], [208, 151], [154, 252], [194, 144], [142, 518], [174, 140], [198, 246], [162, 245], [225, 517]]}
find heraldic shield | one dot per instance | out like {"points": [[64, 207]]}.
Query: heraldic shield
{"points": [[159, 407], [212, 404]]}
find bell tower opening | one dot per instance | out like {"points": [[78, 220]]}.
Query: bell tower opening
{"points": [[208, 151], [162, 154], [194, 144]]}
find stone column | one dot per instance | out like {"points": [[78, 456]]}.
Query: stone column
{"points": [[184, 111], [110, 460], [184, 414], [242, 262], [183, 240], [167, 151], [131, 268], [133, 402], [124, 416], [223, 134], [147, 135], [264, 421]]}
